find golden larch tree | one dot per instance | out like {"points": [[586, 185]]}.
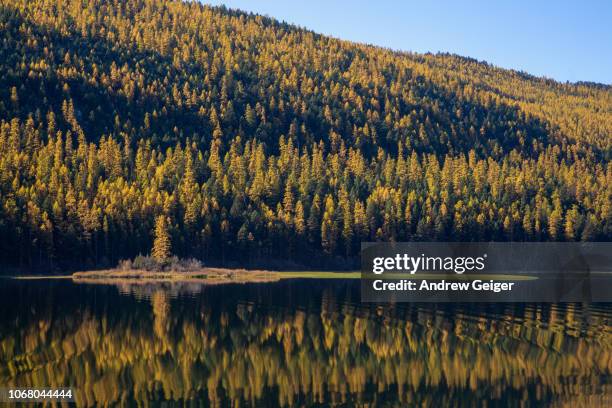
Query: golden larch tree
{"points": [[161, 244]]}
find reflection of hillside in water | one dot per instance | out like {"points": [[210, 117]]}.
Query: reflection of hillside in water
{"points": [[311, 345]]}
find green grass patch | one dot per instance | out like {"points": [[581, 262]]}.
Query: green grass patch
{"points": [[385, 276]]}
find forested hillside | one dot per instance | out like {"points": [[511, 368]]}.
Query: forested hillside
{"points": [[259, 140]]}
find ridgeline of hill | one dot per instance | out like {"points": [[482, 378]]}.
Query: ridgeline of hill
{"points": [[257, 140]]}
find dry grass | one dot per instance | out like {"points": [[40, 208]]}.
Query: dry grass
{"points": [[204, 275]]}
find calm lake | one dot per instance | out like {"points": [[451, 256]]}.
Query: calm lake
{"points": [[298, 342]]}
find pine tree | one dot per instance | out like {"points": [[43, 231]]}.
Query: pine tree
{"points": [[554, 224], [161, 243], [571, 224]]}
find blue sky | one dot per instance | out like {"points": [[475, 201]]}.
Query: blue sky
{"points": [[563, 40]]}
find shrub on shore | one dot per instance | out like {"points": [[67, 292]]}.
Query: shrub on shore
{"points": [[151, 264]]}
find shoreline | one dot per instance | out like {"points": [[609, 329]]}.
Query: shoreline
{"points": [[208, 276], [229, 275], [202, 276]]}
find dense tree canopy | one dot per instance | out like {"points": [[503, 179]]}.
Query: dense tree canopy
{"points": [[259, 140]]}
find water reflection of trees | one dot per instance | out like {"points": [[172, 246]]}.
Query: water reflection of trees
{"points": [[336, 353]]}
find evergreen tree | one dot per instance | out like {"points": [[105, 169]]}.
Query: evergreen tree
{"points": [[161, 244]]}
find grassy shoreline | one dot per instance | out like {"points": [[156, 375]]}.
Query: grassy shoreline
{"points": [[227, 275], [203, 275]]}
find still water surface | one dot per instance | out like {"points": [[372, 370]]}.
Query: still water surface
{"points": [[298, 343]]}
